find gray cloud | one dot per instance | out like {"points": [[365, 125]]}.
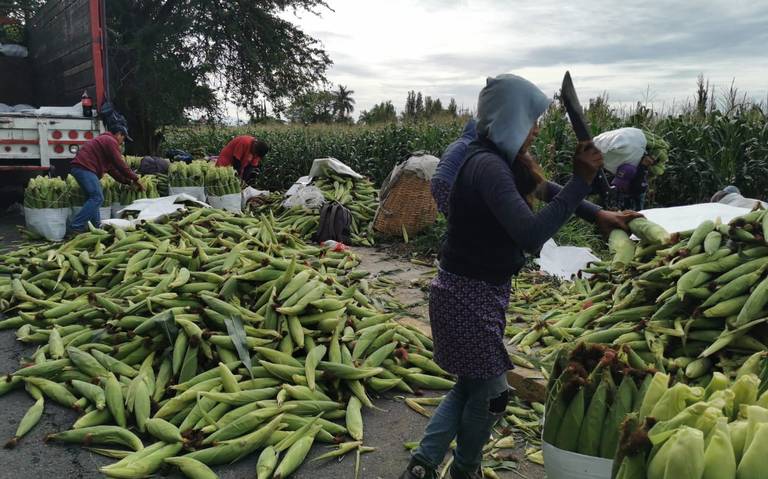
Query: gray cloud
{"points": [[651, 49]]}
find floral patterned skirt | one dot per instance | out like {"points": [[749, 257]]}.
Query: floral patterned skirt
{"points": [[468, 318]]}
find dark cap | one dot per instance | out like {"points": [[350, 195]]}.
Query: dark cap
{"points": [[121, 129]]}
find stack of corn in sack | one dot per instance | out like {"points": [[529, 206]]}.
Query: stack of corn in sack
{"points": [[183, 174], [591, 389], [203, 340], [221, 181], [692, 302], [43, 192]]}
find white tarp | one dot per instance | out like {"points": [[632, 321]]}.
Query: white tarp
{"points": [[251, 192], [298, 185], [303, 193], [564, 261], [321, 167], [153, 208], [196, 192], [736, 199], [308, 196], [684, 218]]}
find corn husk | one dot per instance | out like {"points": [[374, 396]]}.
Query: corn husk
{"points": [[681, 456], [719, 457]]}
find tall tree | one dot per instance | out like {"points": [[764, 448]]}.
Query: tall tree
{"points": [[409, 113], [168, 57], [419, 105], [343, 104], [312, 107], [383, 112], [453, 109]]}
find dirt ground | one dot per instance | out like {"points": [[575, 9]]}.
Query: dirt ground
{"points": [[386, 427]]}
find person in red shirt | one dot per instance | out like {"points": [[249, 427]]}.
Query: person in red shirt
{"points": [[96, 157], [243, 153]]}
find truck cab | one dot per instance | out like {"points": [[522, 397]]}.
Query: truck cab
{"points": [[66, 57]]}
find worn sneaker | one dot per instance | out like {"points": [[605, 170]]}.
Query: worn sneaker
{"points": [[417, 470], [457, 473]]}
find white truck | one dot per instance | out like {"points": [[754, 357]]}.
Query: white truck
{"points": [[40, 129]]}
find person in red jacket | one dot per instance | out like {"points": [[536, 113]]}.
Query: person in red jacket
{"points": [[96, 157], [243, 153]]}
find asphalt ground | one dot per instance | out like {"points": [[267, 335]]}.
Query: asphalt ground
{"points": [[386, 428]]}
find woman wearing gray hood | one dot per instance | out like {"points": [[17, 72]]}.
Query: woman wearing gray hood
{"points": [[491, 224]]}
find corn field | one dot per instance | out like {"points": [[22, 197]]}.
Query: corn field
{"points": [[372, 151], [707, 151]]}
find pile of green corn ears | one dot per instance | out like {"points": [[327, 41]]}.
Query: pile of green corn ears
{"points": [[203, 339], [358, 195], [690, 304]]}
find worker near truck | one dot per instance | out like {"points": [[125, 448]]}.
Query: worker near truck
{"points": [[96, 157], [491, 223], [244, 153]]}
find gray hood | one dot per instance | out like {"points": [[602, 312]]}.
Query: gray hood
{"points": [[507, 109]]}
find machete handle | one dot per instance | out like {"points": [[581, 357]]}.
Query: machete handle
{"points": [[600, 183]]}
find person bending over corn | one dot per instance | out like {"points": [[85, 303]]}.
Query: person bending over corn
{"points": [[244, 153], [96, 157], [491, 224], [632, 155]]}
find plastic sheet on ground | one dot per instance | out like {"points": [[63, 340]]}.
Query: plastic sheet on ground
{"points": [[308, 196], [322, 166], [564, 261], [251, 192], [684, 218], [196, 192], [150, 209], [298, 185], [736, 199]]}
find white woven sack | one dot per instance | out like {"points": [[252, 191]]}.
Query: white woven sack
{"points": [[196, 192], [231, 202], [50, 223]]}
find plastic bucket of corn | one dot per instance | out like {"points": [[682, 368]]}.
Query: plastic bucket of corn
{"points": [[560, 464]]}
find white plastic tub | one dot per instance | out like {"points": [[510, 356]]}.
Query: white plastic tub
{"points": [[560, 464]]}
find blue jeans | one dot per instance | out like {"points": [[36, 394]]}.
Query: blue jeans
{"points": [[90, 184], [468, 414]]}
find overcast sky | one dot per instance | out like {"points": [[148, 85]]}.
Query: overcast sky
{"points": [[632, 50]]}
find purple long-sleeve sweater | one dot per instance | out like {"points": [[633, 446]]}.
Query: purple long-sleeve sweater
{"points": [[490, 225]]}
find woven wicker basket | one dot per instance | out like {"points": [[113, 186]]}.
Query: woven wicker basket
{"points": [[408, 204]]}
